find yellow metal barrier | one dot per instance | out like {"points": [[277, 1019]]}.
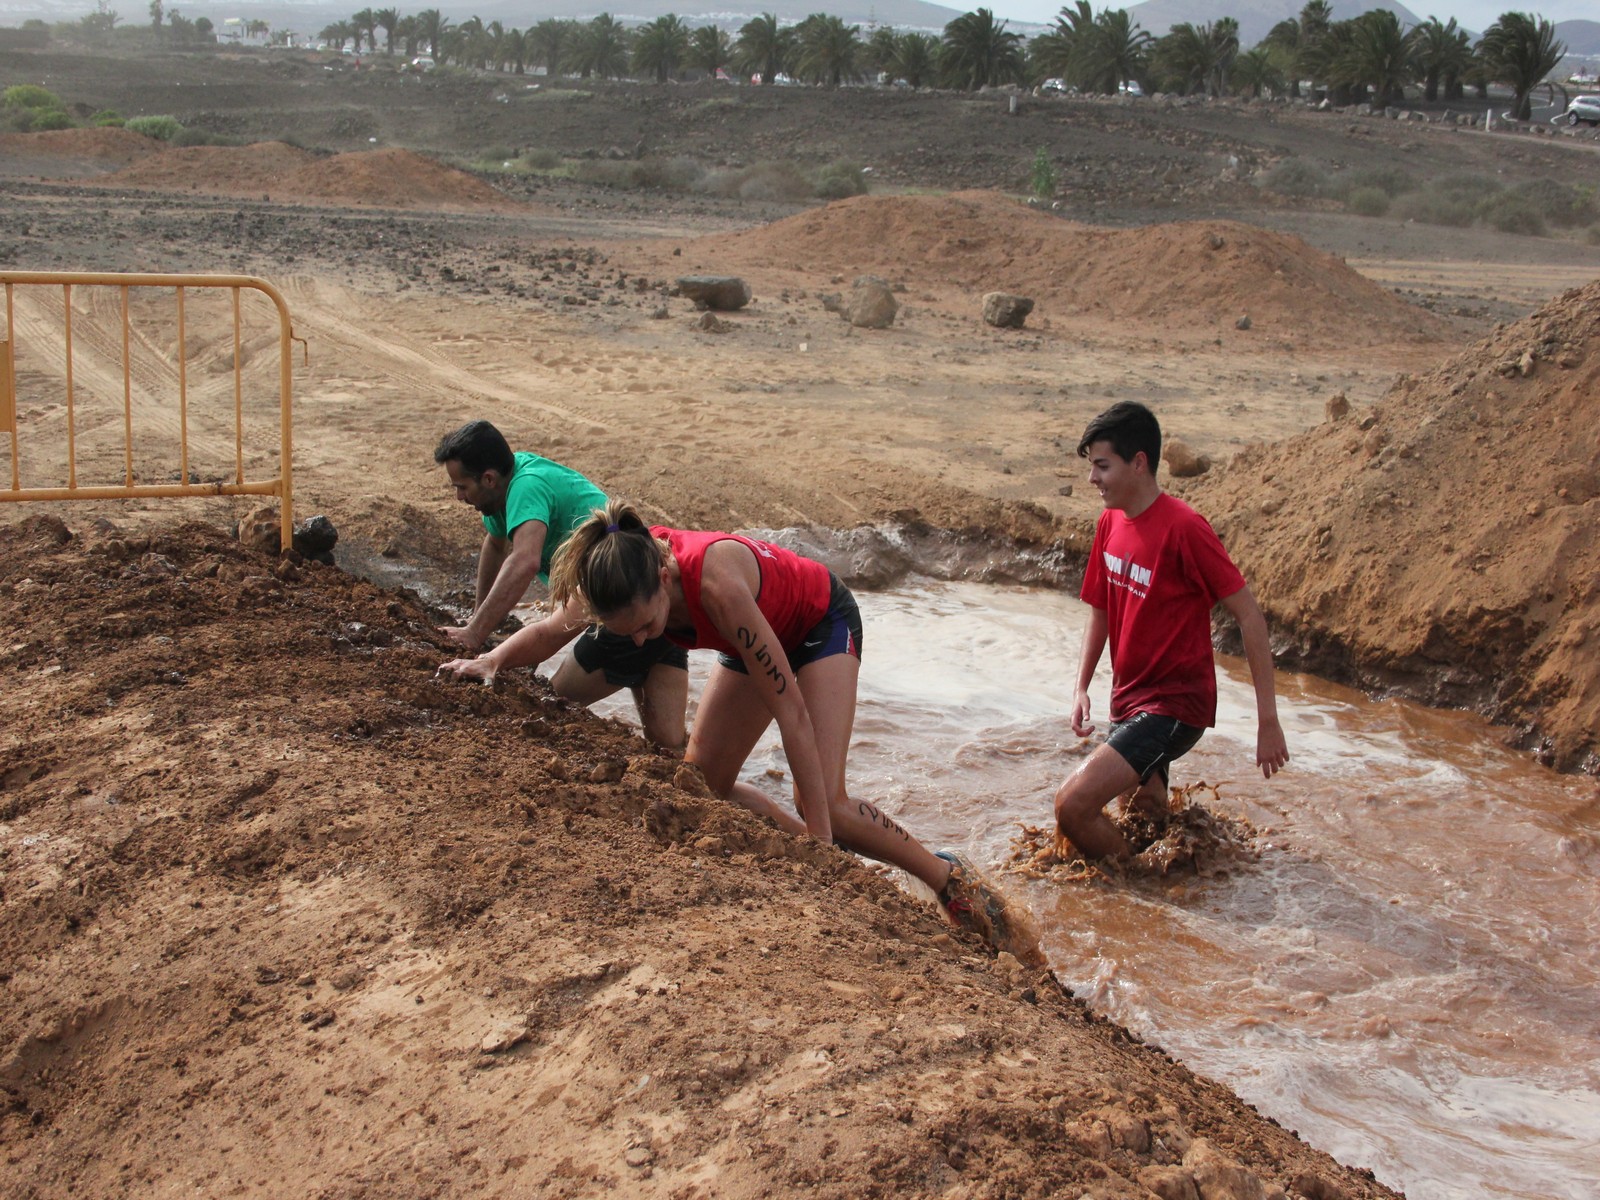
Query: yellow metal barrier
{"points": [[21, 284]]}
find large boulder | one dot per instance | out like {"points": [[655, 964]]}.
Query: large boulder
{"points": [[724, 293], [871, 304], [1005, 311]]}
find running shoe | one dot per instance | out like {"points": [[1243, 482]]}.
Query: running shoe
{"points": [[977, 905]]}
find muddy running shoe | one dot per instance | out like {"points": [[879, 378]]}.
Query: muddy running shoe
{"points": [[976, 905]]}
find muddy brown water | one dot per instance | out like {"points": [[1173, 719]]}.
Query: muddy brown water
{"points": [[1405, 970]]}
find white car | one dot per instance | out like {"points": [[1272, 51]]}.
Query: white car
{"points": [[1583, 108]]}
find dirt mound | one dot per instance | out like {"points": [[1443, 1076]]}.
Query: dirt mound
{"points": [[1182, 275], [262, 168], [393, 179], [1445, 540], [363, 179], [106, 145], [277, 904]]}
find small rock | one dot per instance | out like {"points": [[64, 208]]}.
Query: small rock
{"points": [[1243, 322], [1183, 461], [607, 772], [1525, 364], [315, 536], [261, 530], [872, 304], [1337, 408], [639, 1156], [708, 323], [1006, 311], [506, 1037], [726, 293]]}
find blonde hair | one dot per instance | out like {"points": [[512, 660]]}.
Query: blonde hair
{"points": [[610, 561]]}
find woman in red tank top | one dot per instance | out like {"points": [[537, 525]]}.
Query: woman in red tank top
{"points": [[789, 637]]}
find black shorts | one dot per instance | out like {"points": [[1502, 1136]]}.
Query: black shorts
{"points": [[625, 664], [839, 632], [1149, 742]]}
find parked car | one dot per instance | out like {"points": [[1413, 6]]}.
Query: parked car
{"points": [[1057, 87], [422, 62], [1583, 108], [1131, 88]]}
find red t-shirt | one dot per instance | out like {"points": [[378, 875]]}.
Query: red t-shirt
{"points": [[1157, 577], [793, 596]]}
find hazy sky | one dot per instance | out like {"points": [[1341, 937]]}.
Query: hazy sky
{"points": [[1476, 15]]}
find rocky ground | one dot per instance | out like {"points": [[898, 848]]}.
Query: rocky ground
{"points": [[274, 903]]}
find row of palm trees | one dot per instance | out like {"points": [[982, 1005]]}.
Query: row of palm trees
{"points": [[1369, 57]]}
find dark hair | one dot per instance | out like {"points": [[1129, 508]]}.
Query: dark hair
{"points": [[611, 560], [478, 446], [1130, 427]]}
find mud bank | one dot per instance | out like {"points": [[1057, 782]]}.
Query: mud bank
{"points": [[278, 904]]}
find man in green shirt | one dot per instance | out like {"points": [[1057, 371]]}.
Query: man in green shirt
{"points": [[530, 506]]}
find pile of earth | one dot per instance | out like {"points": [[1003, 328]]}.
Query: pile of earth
{"points": [[1176, 275], [1444, 542], [360, 179], [276, 903], [74, 151]]}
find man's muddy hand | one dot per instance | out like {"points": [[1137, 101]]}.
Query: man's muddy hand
{"points": [[458, 635]]}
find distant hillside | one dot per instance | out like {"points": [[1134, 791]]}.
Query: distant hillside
{"points": [[1256, 17], [1581, 37]]}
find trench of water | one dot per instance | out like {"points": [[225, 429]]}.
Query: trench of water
{"points": [[1405, 974]]}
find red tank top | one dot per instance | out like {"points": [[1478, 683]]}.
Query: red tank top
{"points": [[793, 595]]}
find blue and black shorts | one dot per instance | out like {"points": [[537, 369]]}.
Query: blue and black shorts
{"points": [[839, 632]]}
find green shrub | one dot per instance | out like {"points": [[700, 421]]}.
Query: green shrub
{"points": [[541, 160], [1436, 208], [839, 180], [51, 119], [1292, 177], [1511, 213], [1391, 181], [1367, 201], [1559, 203], [163, 129], [1476, 187], [192, 137], [107, 118], [761, 181], [30, 95], [1042, 175]]}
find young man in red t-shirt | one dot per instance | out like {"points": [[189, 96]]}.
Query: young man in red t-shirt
{"points": [[1155, 571]]}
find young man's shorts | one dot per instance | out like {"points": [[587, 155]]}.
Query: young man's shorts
{"points": [[1151, 742], [625, 664], [839, 632]]}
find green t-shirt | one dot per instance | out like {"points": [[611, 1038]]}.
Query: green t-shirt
{"points": [[542, 490]]}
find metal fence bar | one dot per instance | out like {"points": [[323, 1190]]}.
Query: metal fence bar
{"points": [[281, 486]]}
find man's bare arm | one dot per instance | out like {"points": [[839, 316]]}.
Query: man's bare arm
{"points": [[1272, 750]]}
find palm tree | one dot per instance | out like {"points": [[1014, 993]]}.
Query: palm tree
{"points": [[548, 42], [980, 52], [1258, 70], [877, 53], [601, 48], [660, 47], [1520, 50], [1060, 52], [1440, 54], [916, 58], [387, 19], [516, 50], [1198, 56], [337, 34], [710, 48], [431, 28], [763, 48], [829, 50], [1117, 51], [1380, 56], [366, 25]]}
